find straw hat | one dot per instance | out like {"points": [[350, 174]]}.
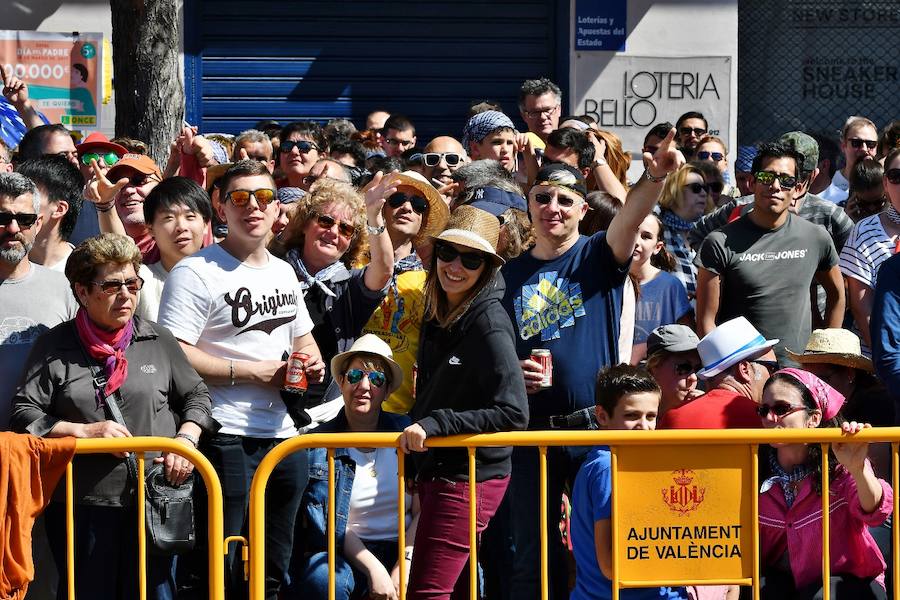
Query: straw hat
{"points": [[473, 228], [435, 218], [834, 347], [372, 345]]}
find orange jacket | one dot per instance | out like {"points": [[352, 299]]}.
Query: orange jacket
{"points": [[30, 468]]}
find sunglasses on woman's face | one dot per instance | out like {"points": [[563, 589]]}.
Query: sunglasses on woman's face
{"points": [[301, 145], [470, 260], [376, 378], [111, 287], [779, 410], [686, 368], [345, 228], [893, 176], [696, 188], [417, 203], [713, 156], [264, 196]]}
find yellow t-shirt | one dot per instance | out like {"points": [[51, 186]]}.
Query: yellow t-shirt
{"points": [[398, 321]]}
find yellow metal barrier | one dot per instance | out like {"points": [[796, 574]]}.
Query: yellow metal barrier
{"points": [[542, 440], [215, 530]]}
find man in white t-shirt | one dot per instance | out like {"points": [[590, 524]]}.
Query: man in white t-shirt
{"points": [[238, 312]]}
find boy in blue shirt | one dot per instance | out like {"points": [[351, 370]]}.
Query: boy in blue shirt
{"points": [[626, 397]]}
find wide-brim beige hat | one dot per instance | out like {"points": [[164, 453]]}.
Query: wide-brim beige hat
{"points": [[834, 346], [473, 228], [374, 346], [435, 218]]}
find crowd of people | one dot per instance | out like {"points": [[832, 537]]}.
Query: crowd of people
{"points": [[426, 285]]}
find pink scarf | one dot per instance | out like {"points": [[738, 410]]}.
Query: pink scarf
{"points": [[828, 399], [107, 347]]}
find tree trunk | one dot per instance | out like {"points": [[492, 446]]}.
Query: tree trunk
{"points": [[149, 92]]}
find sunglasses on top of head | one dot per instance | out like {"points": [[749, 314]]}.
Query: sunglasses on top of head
{"points": [[779, 410], [345, 228], [470, 260], [111, 287], [301, 145], [24, 220], [417, 203], [376, 378], [563, 201], [264, 196]]}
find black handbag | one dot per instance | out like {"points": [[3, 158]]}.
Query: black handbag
{"points": [[168, 509]]}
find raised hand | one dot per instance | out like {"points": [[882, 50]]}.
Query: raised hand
{"points": [[667, 158], [14, 89]]}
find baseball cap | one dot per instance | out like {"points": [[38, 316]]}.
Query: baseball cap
{"points": [[562, 175], [804, 145], [672, 338], [497, 201], [138, 162]]}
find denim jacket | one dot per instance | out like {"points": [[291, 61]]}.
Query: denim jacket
{"points": [[314, 506]]}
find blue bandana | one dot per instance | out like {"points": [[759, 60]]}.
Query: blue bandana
{"points": [[482, 125]]}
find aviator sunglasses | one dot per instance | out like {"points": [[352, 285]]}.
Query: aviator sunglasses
{"points": [[417, 203], [470, 260], [376, 378], [264, 196], [111, 287], [563, 201], [345, 228]]}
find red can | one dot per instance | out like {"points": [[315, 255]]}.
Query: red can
{"points": [[295, 375], [415, 375], [545, 359]]}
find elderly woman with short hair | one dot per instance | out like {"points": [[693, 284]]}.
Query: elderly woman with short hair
{"points": [[70, 376]]}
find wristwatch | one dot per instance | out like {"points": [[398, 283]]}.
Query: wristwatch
{"points": [[375, 230]]}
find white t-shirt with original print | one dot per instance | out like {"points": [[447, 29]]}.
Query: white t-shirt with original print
{"points": [[237, 312]]}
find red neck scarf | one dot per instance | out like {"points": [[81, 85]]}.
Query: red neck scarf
{"points": [[107, 347]]}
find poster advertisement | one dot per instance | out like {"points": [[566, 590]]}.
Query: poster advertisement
{"points": [[63, 73], [629, 94]]}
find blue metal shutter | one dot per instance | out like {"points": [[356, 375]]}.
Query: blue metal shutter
{"points": [[246, 61]]}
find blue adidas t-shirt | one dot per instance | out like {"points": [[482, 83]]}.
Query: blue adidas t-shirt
{"points": [[592, 502], [570, 305], [663, 301]]}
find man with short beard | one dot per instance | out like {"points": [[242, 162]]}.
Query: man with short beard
{"points": [[32, 299]]}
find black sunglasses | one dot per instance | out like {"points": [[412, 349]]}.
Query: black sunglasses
{"points": [[563, 201], [697, 187], [858, 143], [470, 260], [301, 145], [25, 220], [714, 156], [417, 203], [892, 175], [112, 286], [770, 365], [686, 368], [698, 131], [433, 159]]}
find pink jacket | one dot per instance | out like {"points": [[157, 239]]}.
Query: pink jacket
{"points": [[798, 530]]}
